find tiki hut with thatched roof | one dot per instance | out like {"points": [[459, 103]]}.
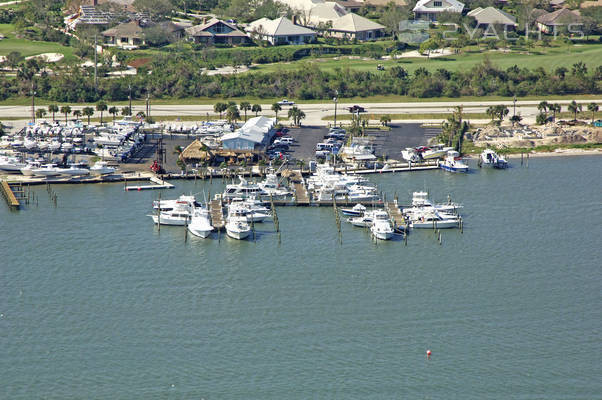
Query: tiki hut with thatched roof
{"points": [[196, 152]]}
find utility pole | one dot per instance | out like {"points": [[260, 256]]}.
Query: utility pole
{"points": [[33, 103], [514, 112], [147, 106], [95, 65], [335, 99], [130, 98]]}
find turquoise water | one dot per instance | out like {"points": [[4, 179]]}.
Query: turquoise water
{"points": [[96, 303]]}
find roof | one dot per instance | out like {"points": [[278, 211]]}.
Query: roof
{"points": [[328, 11], [351, 3], [254, 130], [278, 27], [537, 12], [355, 23], [448, 5], [559, 17], [200, 30], [134, 30], [385, 2], [490, 16], [300, 5]]}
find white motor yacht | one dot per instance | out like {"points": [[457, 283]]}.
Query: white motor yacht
{"points": [[490, 159], [271, 187], [252, 215], [420, 202], [453, 162], [28, 169], [47, 170], [363, 221], [178, 216], [357, 211], [434, 220], [101, 168], [74, 170], [381, 225], [237, 226], [11, 164], [243, 190], [200, 223], [168, 205]]}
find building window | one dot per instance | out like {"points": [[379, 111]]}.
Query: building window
{"points": [[438, 4]]}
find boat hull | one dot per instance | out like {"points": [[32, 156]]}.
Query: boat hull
{"points": [[199, 231], [382, 235], [236, 234], [454, 169], [438, 225], [169, 221]]}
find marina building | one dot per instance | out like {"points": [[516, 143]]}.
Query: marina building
{"points": [[255, 134]]}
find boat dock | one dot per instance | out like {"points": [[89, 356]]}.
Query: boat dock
{"points": [[217, 214], [159, 184], [301, 194], [10, 193], [395, 213]]}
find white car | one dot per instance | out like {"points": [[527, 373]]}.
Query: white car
{"points": [[285, 102], [286, 140]]}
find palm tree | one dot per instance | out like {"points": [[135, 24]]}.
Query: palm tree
{"points": [[66, 110], [491, 112], [297, 115], [502, 111], [220, 108], [232, 114], [245, 106], [276, 107], [593, 107], [126, 111], [53, 108], [88, 112], [113, 111], [385, 119], [101, 107], [544, 107], [77, 113], [40, 112], [516, 119], [555, 108], [574, 108], [256, 109]]}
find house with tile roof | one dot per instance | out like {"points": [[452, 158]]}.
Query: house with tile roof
{"points": [[551, 22], [216, 31], [132, 34], [280, 31]]}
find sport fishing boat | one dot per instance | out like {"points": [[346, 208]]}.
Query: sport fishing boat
{"points": [[11, 164], [243, 190], [200, 223], [237, 226], [101, 168], [47, 170], [421, 202], [251, 215], [410, 154], [437, 151], [381, 225], [453, 162], [434, 220], [357, 211], [490, 159], [179, 215], [182, 201]]}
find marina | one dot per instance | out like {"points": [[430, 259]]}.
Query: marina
{"points": [[147, 305]]}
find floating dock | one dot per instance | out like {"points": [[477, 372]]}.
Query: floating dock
{"points": [[159, 184], [395, 213]]}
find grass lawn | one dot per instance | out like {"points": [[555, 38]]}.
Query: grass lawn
{"points": [[28, 47], [547, 57]]}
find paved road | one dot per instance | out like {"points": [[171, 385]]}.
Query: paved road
{"points": [[316, 112]]}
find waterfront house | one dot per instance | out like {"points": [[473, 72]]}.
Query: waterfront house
{"points": [[430, 9], [353, 26], [280, 31], [551, 22], [216, 31], [255, 134], [490, 17]]}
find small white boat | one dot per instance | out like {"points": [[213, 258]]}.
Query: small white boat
{"points": [[200, 223], [453, 162], [101, 168], [74, 171], [381, 225], [251, 215], [410, 154], [357, 210], [183, 200], [438, 151], [178, 217], [237, 226], [364, 221], [490, 159]]}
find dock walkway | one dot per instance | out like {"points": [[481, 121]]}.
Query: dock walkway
{"points": [[9, 195], [217, 214], [395, 213], [301, 195]]}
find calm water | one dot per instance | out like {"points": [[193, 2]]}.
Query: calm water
{"points": [[95, 303]]}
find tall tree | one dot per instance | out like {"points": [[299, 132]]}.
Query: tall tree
{"points": [[593, 107], [220, 108], [232, 114], [53, 108], [65, 110], [245, 106], [276, 107], [113, 111], [88, 112], [77, 113], [101, 107], [574, 107], [41, 112], [256, 109]]}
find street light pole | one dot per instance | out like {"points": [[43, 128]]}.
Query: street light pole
{"points": [[147, 106], [335, 99], [514, 112], [33, 104], [130, 98]]}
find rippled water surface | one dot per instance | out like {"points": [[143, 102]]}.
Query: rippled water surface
{"points": [[96, 303]]}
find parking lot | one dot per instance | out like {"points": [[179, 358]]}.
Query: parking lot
{"points": [[387, 143]]}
